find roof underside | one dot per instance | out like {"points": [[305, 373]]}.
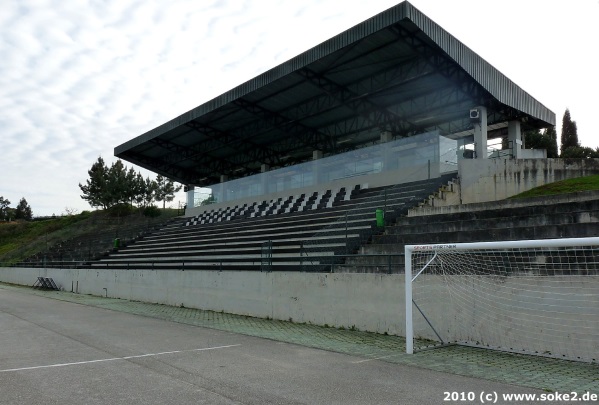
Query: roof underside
{"points": [[397, 72]]}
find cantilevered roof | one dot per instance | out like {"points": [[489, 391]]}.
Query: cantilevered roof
{"points": [[397, 72]]}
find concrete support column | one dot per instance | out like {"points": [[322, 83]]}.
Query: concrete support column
{"points": [[386, 136], [461, 148], [221, 187], [190, 200], [316, 155], [514, 136], [480, 131], [264, 177]]}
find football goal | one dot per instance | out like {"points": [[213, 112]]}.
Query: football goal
{"points": [[529, 296]]}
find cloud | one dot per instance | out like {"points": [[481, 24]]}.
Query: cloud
{"points": [[79, 78]]}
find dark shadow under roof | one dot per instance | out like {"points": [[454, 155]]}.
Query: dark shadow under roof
{"points": [[397, 72]]}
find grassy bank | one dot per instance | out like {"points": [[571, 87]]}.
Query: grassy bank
{"points": [[587, 183], [22, 239]]}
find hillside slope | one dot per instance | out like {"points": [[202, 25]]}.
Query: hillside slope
{"points": [[94, 232]]}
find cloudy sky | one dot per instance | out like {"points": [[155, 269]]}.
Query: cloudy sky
{"points": [[79, 77]]}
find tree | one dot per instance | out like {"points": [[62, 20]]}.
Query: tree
{"points": [[210, 200], [4, 204], [569, 132], [165, 190], [580, 152], [535, 139], [551, 135], [117, 185], [23, 210], [70, 211], [108, 187], [95, 191], [139, 184], [150, 192], [132, 185]]}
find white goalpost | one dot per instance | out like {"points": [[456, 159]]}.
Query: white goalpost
{"points": [[528, 296]]}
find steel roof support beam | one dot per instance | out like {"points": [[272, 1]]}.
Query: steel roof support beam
{"points": [[305, 135], [242, 146], [400, 71], [345, 96]]}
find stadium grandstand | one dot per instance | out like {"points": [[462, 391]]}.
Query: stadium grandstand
{"points": [[301, 159], [370, 153]]}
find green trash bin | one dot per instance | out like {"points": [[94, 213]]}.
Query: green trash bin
{"points": [[117, 243], [380, 218]]}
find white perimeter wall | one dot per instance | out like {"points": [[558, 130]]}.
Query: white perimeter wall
{"points": [[551, 315], [367, 301], [370, 302]]}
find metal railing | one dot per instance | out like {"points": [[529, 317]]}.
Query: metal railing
{"points": [[384, 263]]}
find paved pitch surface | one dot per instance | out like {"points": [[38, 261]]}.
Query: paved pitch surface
{"points": [[54, 351]]}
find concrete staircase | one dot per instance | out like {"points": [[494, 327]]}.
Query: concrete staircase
{"points": [[534, 218], [305, 233], [447, 195]]}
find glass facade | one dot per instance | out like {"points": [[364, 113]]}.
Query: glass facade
{"points": [[413, 153]]}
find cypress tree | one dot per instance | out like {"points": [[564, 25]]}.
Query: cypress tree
{"points": [[569, 132], [551, 135]]}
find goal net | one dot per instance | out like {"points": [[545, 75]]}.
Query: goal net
{"points": [[532, 296]]}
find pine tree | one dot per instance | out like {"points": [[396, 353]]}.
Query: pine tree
{"points": [[23, 210], [108, 187], [132, 186], [140, 190], [569, 132], [149, 195], [95, 191], [117, 186], [165, 190]]}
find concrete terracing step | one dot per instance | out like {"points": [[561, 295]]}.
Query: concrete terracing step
{"points": [[503, 210], [435, 225], [206, 248], [264, 233], [334, 226], [396, 242], [251, 224], [287, 265], [248, 237]]}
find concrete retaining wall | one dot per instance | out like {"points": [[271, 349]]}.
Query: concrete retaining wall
{"points": [[506, 204], [483, 180], [370, 302]]}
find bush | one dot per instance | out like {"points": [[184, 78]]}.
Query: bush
{"points": [[152, 211], [120, 210]]}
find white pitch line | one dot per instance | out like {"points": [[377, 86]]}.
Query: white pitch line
{"points": [[117, 358], [373, 359]]}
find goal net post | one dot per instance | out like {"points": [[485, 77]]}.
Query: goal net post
{"points": [[527, 296]]}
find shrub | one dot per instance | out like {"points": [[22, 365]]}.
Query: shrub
{"points": [[152, 211]]}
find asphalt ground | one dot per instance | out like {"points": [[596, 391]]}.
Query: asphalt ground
{"points": [[65, 348]]}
